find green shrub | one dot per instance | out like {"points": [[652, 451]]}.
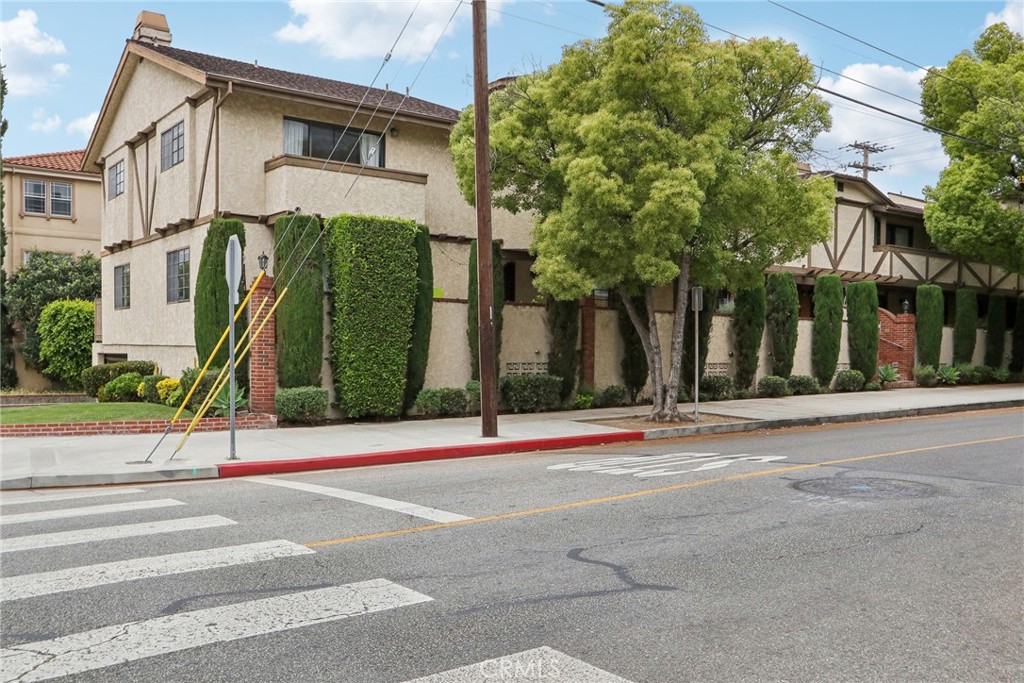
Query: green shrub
{"points": [[149, 393], [772, 386], [176, 396], [66, 331], [872, 386], [121, 389], [473, 299], [926, 376], [986, 374], [422, 318], [301, 404], [95, 377], [803, 385], [849, 380], [443, 402], [1000, 375], [634, 359], [862, 314], [210, 297], [716, 388], [562, 319], [747, 330], [473, 396], [583, 402], [995, 337], [704, 331], [783, 316], [887, 374], [612, 396], [165, 387], [965, 325], [948, 375], [221, 405], [930, 317], [1017, 340], [827, 328], [204, 389], [968, 373], [372, 265], [299, 319], [743, 394], [530, 393]]}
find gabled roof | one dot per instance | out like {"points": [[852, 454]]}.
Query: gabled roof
{"points": [[885, 202], [51, 161]]}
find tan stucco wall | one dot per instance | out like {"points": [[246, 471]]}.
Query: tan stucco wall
{"points": [[449, 361], [525, 339]]}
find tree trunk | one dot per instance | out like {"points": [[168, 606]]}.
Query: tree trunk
{"points": [[678, 321], [648, 332]]}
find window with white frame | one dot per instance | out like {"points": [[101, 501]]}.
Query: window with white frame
{"points": [[35, 196], [337, 143], [44, 198], [123, 286], [172, 146], [178, 275], [115, 180], [60, 199]]}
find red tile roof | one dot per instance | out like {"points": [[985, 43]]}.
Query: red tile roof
{"points": [[55, 161]]}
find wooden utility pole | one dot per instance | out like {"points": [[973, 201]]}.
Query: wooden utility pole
{"points": [[484, 261], [868, 148]]}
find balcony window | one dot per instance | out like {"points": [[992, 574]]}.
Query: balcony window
{"points": [[336, 143]]}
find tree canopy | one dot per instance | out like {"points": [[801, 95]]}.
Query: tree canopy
{"points": [[656, 155], [975, 209]]}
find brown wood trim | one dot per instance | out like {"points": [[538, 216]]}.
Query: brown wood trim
{"points": [[828, 253], [853, 202], [152, 198], [900, 256], [940, 271], [451, 300], [853, 233], [138, 188], [244, 217], [340, 167], [455, 239], [972, 271], [200, 98], [998, 282], [878, 265], [166, 62], [214, 112]]}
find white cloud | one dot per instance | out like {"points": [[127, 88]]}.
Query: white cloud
{"points": [[28, 53], [41, 123], [1012, 15], [83, 126]]}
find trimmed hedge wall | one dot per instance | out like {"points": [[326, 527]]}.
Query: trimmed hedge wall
{"points": [[704, 331], [634, 359], [95, 377], [782, 317], [422, 318], [66, 330], [827, 330], [563, 321], [995, 337], [1017, 340], [862, 314], [472, 329], [299, 318], [747, 331], [210, 298], [965, 325], [301, 404], [930, 316], [372, 265]]}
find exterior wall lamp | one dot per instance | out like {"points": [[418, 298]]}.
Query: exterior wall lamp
{"points": [[263, 260]]}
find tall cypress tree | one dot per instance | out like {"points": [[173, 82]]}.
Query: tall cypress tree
{"points": [[563, 322], [965, 325], [8, 375], [299, 319], [423, 317], [747, 331], [930, 316], [783, 315], [862, 314], [210, 300], [995, 337], [828, 327]]}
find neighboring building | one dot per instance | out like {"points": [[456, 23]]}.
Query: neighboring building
{"points": [[50, 204]]}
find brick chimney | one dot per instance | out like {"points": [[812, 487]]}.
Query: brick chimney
{"points": [[152, 28]]}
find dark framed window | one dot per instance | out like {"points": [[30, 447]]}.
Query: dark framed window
{"points": [[899, 235], [337, 143], [123, 286], [35, 196], [178, 275], [172, 146], [60, 199], [115, 180]]}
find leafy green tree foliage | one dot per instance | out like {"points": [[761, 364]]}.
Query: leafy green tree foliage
{"points": [[66, 330], [973, 210], [563, 320], [45, 278], [1017, 340], [422, 320], [747, 330], [862, 316], [707, 316], [634, 360], [299, 319], [783, 317], [930, 316], [8, 376], [828, 327], [965, 325], [372, 267], [655, 154], [995, 337], [210, 300], [473, 329]]}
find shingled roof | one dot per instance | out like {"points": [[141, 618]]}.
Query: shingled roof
{"points": [[53, 161], [301, 83]]}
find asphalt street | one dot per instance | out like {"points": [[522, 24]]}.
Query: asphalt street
{"points": [[885, 551]]}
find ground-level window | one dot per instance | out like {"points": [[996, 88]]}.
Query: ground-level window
{"points": [[337, 143], [123, 286], [178, 275]]}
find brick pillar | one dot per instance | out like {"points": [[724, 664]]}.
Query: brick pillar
{"points": [[263, 354], [587, 337], [897, 341]]}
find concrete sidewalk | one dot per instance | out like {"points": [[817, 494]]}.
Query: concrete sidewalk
{"points": [[41, 462]]}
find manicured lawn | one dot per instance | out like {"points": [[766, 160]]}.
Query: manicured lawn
{"points": [[87, 412]]}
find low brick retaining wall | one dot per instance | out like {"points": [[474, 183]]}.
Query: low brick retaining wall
{"points": [[208, 424], [15, 400]]}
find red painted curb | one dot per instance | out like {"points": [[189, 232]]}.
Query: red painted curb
{"points": [[331, 462]]}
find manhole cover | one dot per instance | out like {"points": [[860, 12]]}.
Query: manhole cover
{"points": [[847, 487]]}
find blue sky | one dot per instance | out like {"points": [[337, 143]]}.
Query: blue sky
{"points": [[60, 56]]}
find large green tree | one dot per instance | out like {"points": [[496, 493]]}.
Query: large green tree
{"points": [[653, 156], [974, 210], [8, 376]]}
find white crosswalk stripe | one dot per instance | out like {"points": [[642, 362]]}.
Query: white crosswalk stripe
{"points": [[60, 538], [110, 645], [68, 513], [25, 497], [538, 664]]}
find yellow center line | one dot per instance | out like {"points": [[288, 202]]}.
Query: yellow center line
{"points": [[648, 492]]}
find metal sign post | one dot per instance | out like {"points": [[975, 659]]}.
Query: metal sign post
{"points": [[696, 304], [233, 274]]}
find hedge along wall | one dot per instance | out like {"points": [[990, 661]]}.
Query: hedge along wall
{"points": [[862, 314], [66, 330], [1017, 340], [747, 331], [422, 319], [827, 331], [634, 360], [704, 336], [210, 300], [995, 337], [930, 316], [300, 316], [965, 325], [563, 321], [783, 314], [372, 267], [473, 330]]}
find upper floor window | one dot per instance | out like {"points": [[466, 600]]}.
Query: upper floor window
{"points": [[60, 199], [123, 286], [115, 180], [899, 235], [172, 146], [47, 198], [178, 275], [337, 143], [35, 196]]}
